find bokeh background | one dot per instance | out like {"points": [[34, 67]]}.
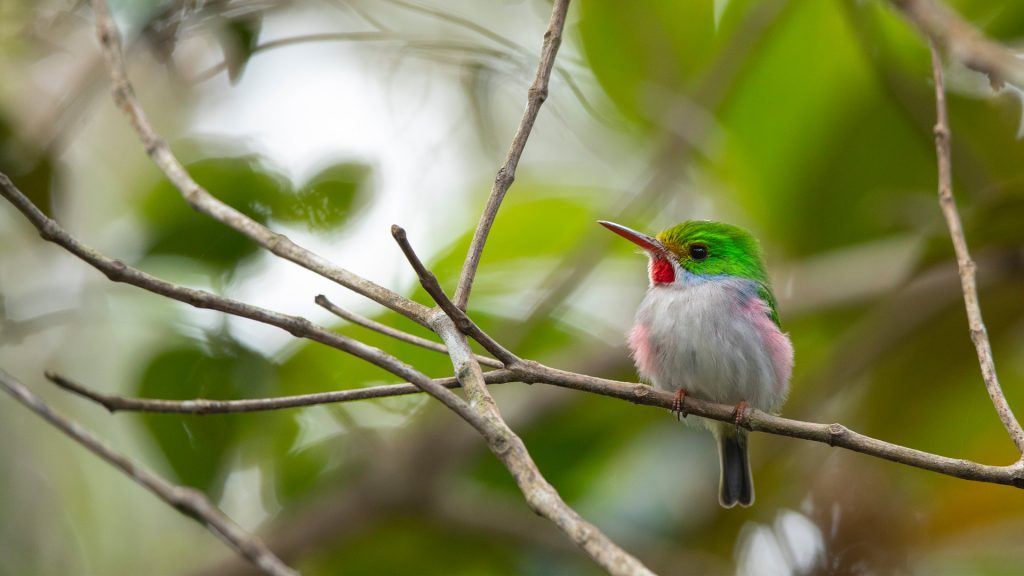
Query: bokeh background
{"points": [[808, 122]]}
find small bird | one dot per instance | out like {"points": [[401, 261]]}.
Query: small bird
{"points": [[708, 328]]}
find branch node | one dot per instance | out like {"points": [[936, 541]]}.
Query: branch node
{"points": [[115, 272], [836, 432], [641, 391], [540, 94]]}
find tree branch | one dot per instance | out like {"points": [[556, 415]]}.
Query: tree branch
{"points": [[118, 271], [540, 495], [188, 501], [433, 287], [525, 371], [965, 265], [963, 42], [365, 322], [538, 92], [203, 406], [202, 201], [758, 421]]}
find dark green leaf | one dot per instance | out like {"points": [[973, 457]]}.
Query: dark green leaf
{"points": [[176, 230], [328, 199], [196, 447]]}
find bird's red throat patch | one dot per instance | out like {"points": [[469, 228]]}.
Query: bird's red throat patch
{"points": [[661, 271]]}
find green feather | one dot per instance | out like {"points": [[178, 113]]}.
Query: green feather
{"points": [[731, 251]]}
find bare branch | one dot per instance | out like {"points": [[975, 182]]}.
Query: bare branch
{"points": [[524, 371], [433, 287], [963, 42], [507, 173], [204, 202], [965, 265], [365, 322], [757, 421], [118, 271], [503, 442], [186, 500], [202, 406]]}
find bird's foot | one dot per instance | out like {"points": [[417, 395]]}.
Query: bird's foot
{"points": [[739, 412], [678, 404]]}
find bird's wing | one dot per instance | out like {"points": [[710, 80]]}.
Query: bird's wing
{"points": [[766, 294]]}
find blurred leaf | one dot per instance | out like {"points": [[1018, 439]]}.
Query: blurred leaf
{"points": [[647, 55], [328, 199], [418, 546], [196, 447], [177, 230], [537, 225], [30, 169], [238, 40]]}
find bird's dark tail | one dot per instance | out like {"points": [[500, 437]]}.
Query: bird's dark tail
{"points": [[736, 485]]}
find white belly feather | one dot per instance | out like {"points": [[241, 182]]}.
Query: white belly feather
{"points": [[701, 337]]}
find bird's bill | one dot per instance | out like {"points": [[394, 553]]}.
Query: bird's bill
{"points": [[642, 240]]}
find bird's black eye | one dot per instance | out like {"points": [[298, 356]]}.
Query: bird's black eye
{"points": [[698, 252]]}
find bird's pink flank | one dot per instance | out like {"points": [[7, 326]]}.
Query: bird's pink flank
{"points": [[778, 344]]}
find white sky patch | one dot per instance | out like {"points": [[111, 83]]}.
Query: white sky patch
{"points": [[324, 102]]}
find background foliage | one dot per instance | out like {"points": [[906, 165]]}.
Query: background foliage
{"points": [[809, 122]]}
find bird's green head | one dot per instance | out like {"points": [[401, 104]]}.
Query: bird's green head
{"points": [[701, 248]]}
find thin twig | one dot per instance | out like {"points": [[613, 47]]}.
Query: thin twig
{"points": [[538, 92], [669, 160], [201, 200], [963, 42], [365, 322], [405, 41], [540, 495], [202, 406], [483, 31], [433, 287], [757, 421], [118, 271], [965, 265], [186, 500]]}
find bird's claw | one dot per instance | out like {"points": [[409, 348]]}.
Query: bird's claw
{"points": [[678, 406], [739, 412]]}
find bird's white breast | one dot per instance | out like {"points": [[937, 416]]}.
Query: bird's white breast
{"points": [[714, 339]]}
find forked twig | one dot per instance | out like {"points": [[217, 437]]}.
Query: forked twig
{"points": [[433, 287], [963, 42], [965, 265], [118, 271], [503, 441], [365, 322]]}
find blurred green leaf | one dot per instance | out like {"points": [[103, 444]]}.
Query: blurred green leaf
{"points": [[177, 230], [196, 447], [248, 184], [30, 169], [328, 199], [648, 54], [417, 546]]}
